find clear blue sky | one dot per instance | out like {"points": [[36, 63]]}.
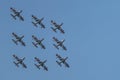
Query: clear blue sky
{"points": [[92, 33]]}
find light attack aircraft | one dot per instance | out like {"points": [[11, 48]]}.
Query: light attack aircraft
{"points": [[19, 61], [59, 43], [57, 27], [16, 14], [38, 21], [62, 60], [38, 42], [18, 39], [40, 64]]}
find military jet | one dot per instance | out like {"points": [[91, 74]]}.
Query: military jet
{"points": [[18, 39], [38, 42], [41, 64], [38, 21], [57, 26], [16, 14], [62, 60], [59, 43], [19, 61]]}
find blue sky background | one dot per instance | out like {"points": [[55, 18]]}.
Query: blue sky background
{"points": [[92, 33]]}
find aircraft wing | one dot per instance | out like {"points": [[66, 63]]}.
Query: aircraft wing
{"points": [[21, 18], [23, 43], [38, 60], [45, 68], [42, 25], [62, 31], [64, 47], [66, 64], [42, 46], [23, 64]]}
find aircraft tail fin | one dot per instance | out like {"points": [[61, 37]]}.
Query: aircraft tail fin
{"points": [[59, 63], [35, 44], [34, 24], [16, 64], [13, 16], [14, 41], [53, 29], [55, 46]]}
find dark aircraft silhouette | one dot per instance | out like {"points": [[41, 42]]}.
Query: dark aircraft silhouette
{"points": [[18, 39], [38, 42], [38, 21], [16, 14], [19, 61], [57, 26], [41, 64], [59, 43], [62, 60]]}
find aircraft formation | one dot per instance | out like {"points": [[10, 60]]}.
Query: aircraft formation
{"points": [[39, 42]]}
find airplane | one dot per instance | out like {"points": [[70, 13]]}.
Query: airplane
{"points": [[38, 42], [38, 21], [62, 60], [18, 39], [41, 64], [16, 14], [59, 43], [19, 61], [57, 26]]}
